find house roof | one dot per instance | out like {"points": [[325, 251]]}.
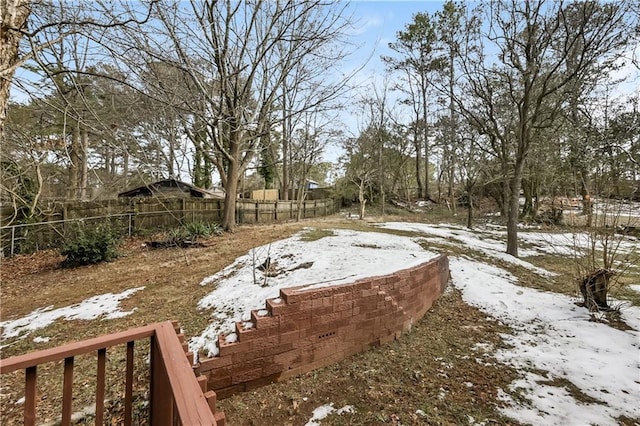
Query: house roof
{"points": [[168, 187]]}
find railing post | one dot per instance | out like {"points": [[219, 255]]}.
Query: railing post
{"points": [[100, 381], [67, 391], [30, 396], [160, 401], [128, 394]]}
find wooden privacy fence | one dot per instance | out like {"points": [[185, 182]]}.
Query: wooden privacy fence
{"points": [[129, 216], [176, 396]]}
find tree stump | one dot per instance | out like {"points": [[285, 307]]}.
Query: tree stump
{"points": [[594, 289]]}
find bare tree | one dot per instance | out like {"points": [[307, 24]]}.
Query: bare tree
{"points": [[13, 22], [233, 56], [416, 45], [519, 91], [307, 146]]}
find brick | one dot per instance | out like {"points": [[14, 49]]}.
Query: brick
{"points": [[290, 337], [321, 311], [247, 334], [266, 342], [301, 320], [285, 359], [219, 383], [271, 369], [264, 321], [231, 348], [346, 314], [245, 376], [287, 325], [276, 308]]}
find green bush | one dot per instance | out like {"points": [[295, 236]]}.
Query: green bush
{"points": [[89, 247], [195, 230]]}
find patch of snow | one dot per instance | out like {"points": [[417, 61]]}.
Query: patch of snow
{"points": [[39, 339], [635, 287], [106, 306], [20, 401], [324, 411], [231, 338], [342, 258], [473, 239], [554, 336]]}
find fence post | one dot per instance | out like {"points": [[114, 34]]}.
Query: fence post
{"points": [[130, 224], [13, 239]]}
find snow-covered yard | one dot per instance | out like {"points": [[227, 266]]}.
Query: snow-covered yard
{"points": [[552, 340]]}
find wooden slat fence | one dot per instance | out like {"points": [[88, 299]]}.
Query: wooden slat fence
{"points": [[130, 216], [177, 397]]}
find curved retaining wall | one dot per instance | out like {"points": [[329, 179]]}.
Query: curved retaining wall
{"points": [[307, 329]]}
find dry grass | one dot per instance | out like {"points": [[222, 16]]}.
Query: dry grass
{"points": [[437, 368]]}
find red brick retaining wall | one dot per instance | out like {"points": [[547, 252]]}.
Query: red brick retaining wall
{"points": [[307, 329]]}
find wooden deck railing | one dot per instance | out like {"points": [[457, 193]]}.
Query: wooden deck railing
{"points": [[177, 397]]}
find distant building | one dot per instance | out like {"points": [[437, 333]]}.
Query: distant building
{"points": [[171, 188]]}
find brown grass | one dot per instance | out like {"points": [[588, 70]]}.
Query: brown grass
{"points": [[437, 368]]}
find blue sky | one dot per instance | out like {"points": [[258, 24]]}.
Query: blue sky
{"points": [[377, 22]]}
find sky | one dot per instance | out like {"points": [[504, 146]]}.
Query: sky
{"points": [[551, 337]]}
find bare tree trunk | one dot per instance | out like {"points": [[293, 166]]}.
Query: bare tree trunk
{"points": [[74, 163], [427, 193], [285, 146], [13, 18], [361, 199], [418, 147], [125, 167], [231, 190], [84, 166], [470, 211], [515, 183]]}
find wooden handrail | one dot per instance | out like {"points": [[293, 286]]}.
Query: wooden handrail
{"points": [[59, 353], [190, 403], [176, 394]]}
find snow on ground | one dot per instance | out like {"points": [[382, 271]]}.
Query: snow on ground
{"points": [[106, 306], [324, 411], [552, 339], [555, 338], [341, 258], [612, 207], [479, 240], [484, 240]]}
